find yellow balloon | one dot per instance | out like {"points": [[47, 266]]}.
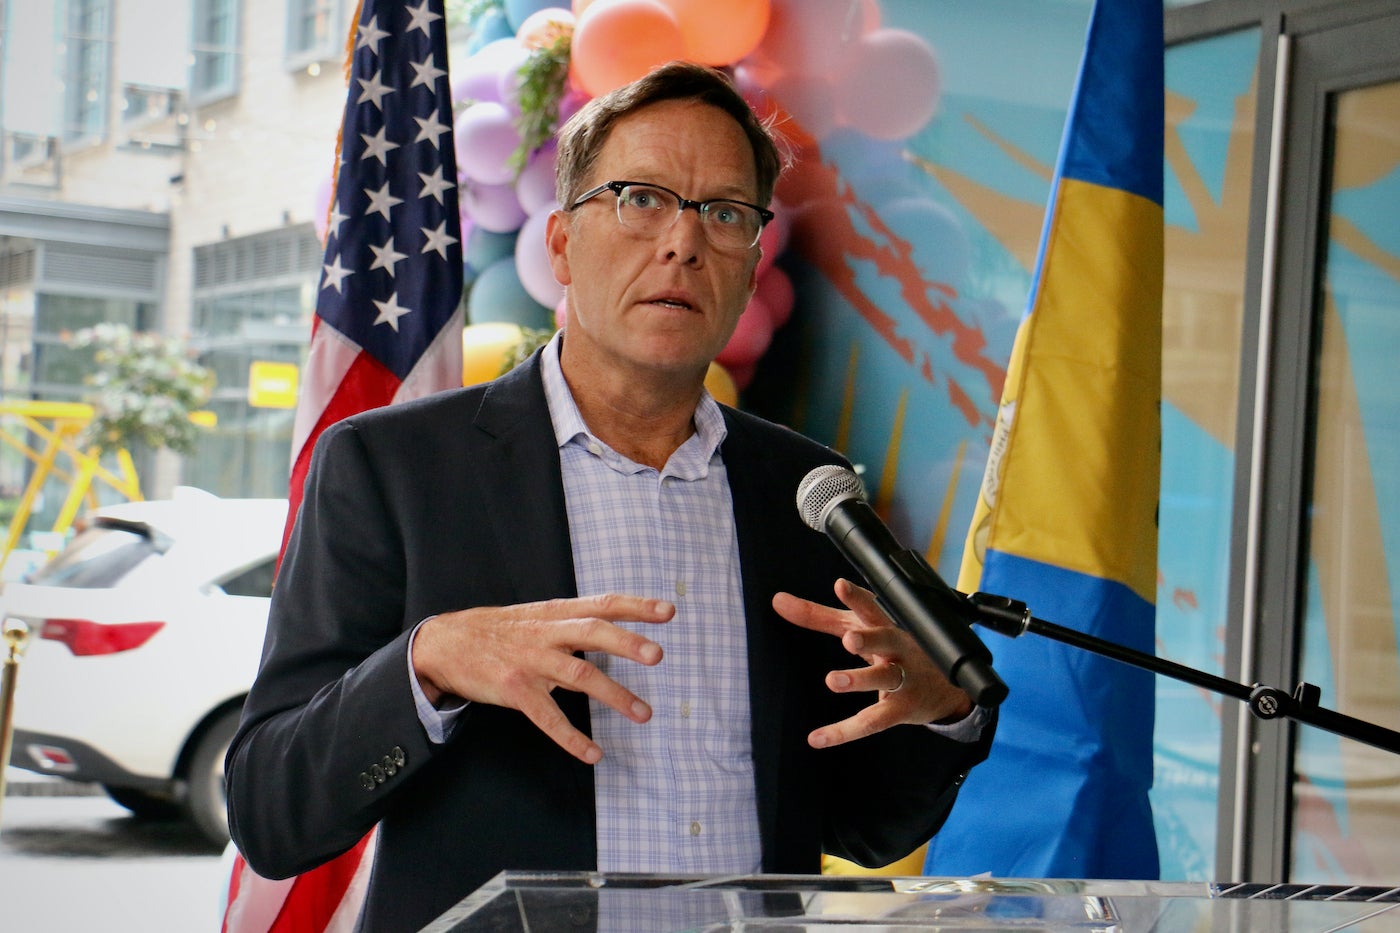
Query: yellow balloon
{"points": [[485, 349], [721, 386]]}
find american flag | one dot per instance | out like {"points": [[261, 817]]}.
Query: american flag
{"points": [[387, 327], [387, 324]]}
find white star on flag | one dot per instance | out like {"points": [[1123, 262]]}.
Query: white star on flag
{"points": [[369, 35], [335, 274], [373, 90], [381, 201], [430, 128], [385, 256], [420, 17], [438, 239], [425, 73], [378, 146], [390, 311], [434, 185]]}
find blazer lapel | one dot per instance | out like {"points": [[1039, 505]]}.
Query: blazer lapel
{"points": [[520, 474], [753, 492]]}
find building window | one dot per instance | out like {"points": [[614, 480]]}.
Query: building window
{"points": [[215, 46], [312, 31], [87, 67], [253, 302]]}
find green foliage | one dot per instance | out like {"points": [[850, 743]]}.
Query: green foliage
{"points": [[543, 78], [531, 339], [144, 389]]}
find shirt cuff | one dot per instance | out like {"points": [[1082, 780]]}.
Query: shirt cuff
{"points": [[968, 729], [437, 723]]}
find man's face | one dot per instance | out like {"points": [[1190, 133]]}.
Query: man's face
{"points": [[668, 301]]}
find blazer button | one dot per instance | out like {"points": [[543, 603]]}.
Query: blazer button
{"points": [[397, 753], [366, 781], [377, 773], [390, 768]]}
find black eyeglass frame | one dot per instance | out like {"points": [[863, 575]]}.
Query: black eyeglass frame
{"points": [[700, 207]]}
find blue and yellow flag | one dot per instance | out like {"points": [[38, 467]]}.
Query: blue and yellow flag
{"points": [[1066, 517]]}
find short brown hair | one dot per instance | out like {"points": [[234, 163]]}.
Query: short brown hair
{"points": [[583, 136]]}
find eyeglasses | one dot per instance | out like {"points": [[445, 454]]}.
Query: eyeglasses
{"points": [[652, 210]]}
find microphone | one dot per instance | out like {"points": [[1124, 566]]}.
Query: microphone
{"points": [[831, 500]]}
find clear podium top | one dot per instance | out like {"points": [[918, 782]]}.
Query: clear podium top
{"points": [[623, 903]]}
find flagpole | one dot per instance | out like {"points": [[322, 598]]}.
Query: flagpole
{"points": [[16, 636]]}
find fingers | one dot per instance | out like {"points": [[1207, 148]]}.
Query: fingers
{"points": [[514, 656]]}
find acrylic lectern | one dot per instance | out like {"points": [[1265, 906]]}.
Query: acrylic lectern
{"points": [[623, 903]]}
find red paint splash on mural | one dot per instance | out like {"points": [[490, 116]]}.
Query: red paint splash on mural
{"points": [[825, 235]]}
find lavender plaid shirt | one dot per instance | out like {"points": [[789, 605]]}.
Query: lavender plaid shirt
{"points": [[675, 794]]}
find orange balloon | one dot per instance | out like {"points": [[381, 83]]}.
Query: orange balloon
{"points": [[619, 41], [718, 32], [544, 27], [721, 385]]}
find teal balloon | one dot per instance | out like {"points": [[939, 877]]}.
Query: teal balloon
{"points": [[517, 11], [483, 248], [498, 296], [489, 26]]}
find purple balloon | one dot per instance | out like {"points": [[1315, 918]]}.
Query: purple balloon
{"points": [[508, 78], [479, 77], [485, 140], [532, 260], [535, 186], [492, 207]]}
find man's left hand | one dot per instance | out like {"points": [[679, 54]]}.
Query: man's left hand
{"points": [[911, 688]]}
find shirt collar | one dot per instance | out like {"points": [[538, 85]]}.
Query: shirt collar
{"points": [[570, 426]]}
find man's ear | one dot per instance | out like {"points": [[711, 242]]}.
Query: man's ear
{"points": [[556, 241]]}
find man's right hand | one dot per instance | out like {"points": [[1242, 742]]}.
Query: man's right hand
{"points": [[513, 656]]}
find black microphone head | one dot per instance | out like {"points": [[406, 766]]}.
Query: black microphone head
{"points": [[822, 488]]}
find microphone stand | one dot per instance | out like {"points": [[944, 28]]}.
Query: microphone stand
{"points": [[1013, 618]]}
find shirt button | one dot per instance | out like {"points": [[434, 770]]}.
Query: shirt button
{"points": [[685, 709], [595, 448], [680, 587], [695, 827]]}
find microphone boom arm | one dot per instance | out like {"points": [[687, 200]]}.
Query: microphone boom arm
{"points": [[1013, 618]]}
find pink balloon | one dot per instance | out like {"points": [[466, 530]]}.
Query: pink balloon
{"points": [[532, 261], [485, 140], [807, 36], [751, 338], [535, 186], [890, 85], [775, 292], [618, 41], [742, 375], [811, 102], [492, 207]]}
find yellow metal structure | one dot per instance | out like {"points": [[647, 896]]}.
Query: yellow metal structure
{"points": [[57, 426]]}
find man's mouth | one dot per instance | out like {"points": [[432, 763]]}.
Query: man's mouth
{"points": [[678, 304]]}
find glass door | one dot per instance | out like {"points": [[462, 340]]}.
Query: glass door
{"points": [[1331, 587]]}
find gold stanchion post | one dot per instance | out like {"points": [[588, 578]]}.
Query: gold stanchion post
{"points": [[16, 636]]}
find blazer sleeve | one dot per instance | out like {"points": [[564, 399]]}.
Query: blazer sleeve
{"points": [[329, 728]]}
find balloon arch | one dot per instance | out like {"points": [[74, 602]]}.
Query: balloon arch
{"points": [[809, 66]]}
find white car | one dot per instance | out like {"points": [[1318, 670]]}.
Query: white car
{"points": [[145, 636]]}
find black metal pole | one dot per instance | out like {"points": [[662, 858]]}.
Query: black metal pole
{"points": [[1013, 618]]}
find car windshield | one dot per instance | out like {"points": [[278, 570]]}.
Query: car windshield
{"points": [[101, 555]]}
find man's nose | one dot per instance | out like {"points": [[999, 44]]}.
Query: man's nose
{"points": [[684, 240]]}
